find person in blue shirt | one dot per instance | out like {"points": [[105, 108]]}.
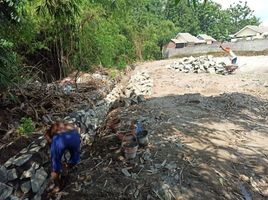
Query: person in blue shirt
{"points": [[62, 137]]}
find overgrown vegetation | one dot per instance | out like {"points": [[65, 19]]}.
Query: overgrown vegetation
{"points": [[51, 38]]}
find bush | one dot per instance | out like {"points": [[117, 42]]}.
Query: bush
{"points": [[26, 126], [9, 64]]}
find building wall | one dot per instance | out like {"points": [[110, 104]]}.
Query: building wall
{"points": [[247, 32], [171, 45], [246, 46], [209, 42]]}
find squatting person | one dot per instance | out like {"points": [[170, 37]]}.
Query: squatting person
{"points": [[62, 137]]}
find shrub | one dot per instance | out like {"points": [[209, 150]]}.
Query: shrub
{"points": [[26, 126]]}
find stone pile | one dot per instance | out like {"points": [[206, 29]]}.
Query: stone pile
{"points": [[88, 120], [23, 175], [139, 84], [202, 64]]}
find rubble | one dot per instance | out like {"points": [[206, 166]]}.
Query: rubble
{"points": [[5, 191], [12, 174], [21, 159], [89, 119], [25, 187], [125, 172], [3, 174], [202, 64], [38, 179], [30, 172], [139, 84], [30, 175]]}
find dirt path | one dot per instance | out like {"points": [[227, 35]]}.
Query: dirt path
{"points": [[220, 122], [208, 140]]}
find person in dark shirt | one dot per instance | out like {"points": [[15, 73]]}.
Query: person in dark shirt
{"points": [[62, 137]]}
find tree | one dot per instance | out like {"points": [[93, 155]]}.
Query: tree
{"points": [[62, 20], [240, 16]]}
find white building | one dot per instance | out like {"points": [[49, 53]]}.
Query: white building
{"points": [[252, 32], [207, 38]]}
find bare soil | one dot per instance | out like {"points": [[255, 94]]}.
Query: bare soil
{"points": [[208, 140]]}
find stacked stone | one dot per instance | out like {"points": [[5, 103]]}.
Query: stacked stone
{"points": [[139, 84], [202, 64], [23, 175]]}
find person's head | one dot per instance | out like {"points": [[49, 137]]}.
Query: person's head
{"points": [[55, 128]]}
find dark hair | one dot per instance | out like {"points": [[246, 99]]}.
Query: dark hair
{"points": [[53, 129]]}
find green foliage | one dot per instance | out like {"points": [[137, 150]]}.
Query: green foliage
{"points": [[8, 62], [57, 37], [240, 16], [113, 73], [210, 18], [26, 126], [9, 10]]}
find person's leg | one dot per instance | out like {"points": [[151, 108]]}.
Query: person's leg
{"points": [[75, 157], [234, 61], [56, 152], [75, 151]]}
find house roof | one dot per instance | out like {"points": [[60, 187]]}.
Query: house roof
{"points": [[187, 37], [179, 41], [206, 37], [258, 29]]}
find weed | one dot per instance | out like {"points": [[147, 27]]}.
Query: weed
{"points": [[26, 126]]}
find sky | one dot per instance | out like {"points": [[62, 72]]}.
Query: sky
{"points": [[259, 6]]}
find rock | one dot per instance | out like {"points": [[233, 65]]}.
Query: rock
{"points": [[211, 70], [35, 149], [25, 187], [43, 143], [30, 172], [47, 119], [12, 197], [171, 166], [5, 191], [38, 179], [125, 172], [147, 155], [3, 174], [140, 98], [12, 174], [9, 162], [24, 150], [22, 159], [162, 190]]}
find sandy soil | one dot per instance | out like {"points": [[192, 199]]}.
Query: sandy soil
{"points": [[220, 122], [208, 140]]}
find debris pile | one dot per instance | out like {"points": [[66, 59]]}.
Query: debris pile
{"points": [[26, 173], [44, 103], [89, 119], [202, 64], [139, 84]]}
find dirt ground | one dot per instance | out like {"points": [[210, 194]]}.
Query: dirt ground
{"points": [[208, 140]]}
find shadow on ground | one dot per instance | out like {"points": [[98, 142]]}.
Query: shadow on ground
{"points": [[200, 148]]}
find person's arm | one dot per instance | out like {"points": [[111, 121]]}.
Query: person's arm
{"points": [[55, 157], [223, 48], [48, 138]]}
